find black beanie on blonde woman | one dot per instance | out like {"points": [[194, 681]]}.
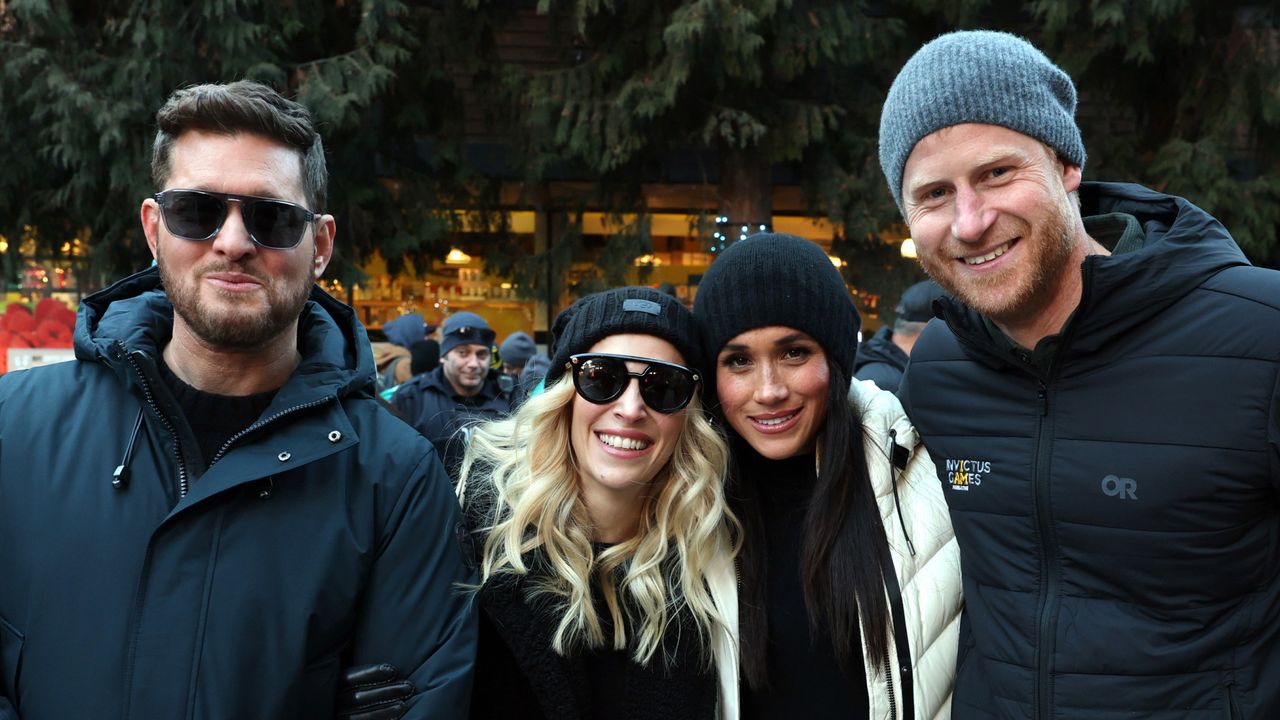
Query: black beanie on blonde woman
{"points": [[627, 310], [774, 279]]}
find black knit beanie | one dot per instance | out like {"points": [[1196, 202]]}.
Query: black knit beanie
{"points": [[773, 279], [639, 310]]}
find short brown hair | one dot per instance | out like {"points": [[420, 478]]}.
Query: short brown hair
{"points": [[242, 106]]}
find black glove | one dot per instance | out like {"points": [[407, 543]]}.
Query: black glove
{"points": [[373, 692]]}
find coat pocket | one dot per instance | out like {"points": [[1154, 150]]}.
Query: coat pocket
{"points": [[10, 659]]}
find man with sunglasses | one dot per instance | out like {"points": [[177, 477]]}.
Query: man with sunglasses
{"points": [[461, 390], [208, 515]]}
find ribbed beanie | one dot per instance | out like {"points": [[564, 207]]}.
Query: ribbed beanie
{"points": [[977, 76], [639, 310], [772, 279], [517, 349]]}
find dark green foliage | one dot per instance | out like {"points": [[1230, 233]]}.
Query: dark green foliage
{"points": [[81, 83], [1183, 96], [1177, 94]]}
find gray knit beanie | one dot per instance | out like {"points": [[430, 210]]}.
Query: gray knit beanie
{"points": [[775, 279], [517, 349], [977, 76]]}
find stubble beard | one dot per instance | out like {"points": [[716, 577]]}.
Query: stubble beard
{"points": [[235, 325], [1017, 296]]}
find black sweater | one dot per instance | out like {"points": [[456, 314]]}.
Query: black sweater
{"points": [[805, 679]]}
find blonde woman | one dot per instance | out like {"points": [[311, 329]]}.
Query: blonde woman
{"points": [[600, 529]]}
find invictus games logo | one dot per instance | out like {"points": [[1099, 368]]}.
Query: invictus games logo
{"points": [[965, 474]]}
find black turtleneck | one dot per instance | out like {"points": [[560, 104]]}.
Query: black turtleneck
{"points": [[214, 418], [805, 680]]}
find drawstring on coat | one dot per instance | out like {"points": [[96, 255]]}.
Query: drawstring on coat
{"points": [[120, 478], [898, 457]]}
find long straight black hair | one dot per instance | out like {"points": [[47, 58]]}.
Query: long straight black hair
{"points": [[843, 553]]}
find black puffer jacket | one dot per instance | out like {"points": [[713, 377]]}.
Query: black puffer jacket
{"points": [[1118, 519], [324, 536]]}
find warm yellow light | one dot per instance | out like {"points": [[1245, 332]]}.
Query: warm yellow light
{"points": [[909, 248], [505, 286], [649, 260], [4, 245], [457, 257], [838, 262]]}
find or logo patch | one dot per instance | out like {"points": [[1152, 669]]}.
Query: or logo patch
{"points": [[1121, 487], [965, 474], [644, 306]]}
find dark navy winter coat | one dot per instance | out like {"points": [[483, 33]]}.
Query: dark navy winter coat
{"points": [[1118, 518], [428, 402], [324, 536]]}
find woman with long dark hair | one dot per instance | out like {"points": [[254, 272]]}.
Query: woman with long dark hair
{"points": [[850, 575], [599, 527]]}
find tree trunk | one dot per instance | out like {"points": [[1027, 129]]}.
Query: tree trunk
{"points": [[746, 192]]}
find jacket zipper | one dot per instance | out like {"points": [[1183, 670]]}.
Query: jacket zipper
{"points": [[1048, 553], [168, 425], [888, 680], [183, 484], [235, 438]]}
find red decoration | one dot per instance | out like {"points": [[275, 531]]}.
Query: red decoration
{"points": [[51, 326]]}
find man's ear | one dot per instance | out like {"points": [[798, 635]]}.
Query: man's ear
{"points": [[326, 228], [1071, 177], [150, 216]]}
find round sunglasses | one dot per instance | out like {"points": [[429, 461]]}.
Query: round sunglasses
{"points": [[601, 378], [198, 215]]}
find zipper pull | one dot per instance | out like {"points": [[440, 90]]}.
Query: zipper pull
{"points": [[1042, 401]]}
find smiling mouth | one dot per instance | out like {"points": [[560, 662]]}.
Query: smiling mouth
{"points": [[982, 259], [775, 423], [621, 443]]}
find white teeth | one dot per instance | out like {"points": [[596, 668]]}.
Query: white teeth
{"points": [[774, 421], [989, 256], [622, 443]]}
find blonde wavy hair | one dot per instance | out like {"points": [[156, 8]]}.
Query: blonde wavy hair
{"points": [[522, 471]]}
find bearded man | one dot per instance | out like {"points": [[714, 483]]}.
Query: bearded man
{"points": [[1102, 403], [207, 515]]}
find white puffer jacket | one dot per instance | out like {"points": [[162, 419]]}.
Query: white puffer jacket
{"points": [[929, 577]]}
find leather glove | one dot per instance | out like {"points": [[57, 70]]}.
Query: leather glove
{"points": [[373, 692]]}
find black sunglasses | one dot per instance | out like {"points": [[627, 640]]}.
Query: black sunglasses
{"points": [[601, 378], [199, 214]]}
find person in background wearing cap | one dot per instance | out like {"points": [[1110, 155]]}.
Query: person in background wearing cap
{"points": [[850, 587], [460, 391], [883, 358], [600, 529], [514, 352], [1101, 402]]}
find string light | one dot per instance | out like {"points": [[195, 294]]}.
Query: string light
{"points": [[729, 232]]}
